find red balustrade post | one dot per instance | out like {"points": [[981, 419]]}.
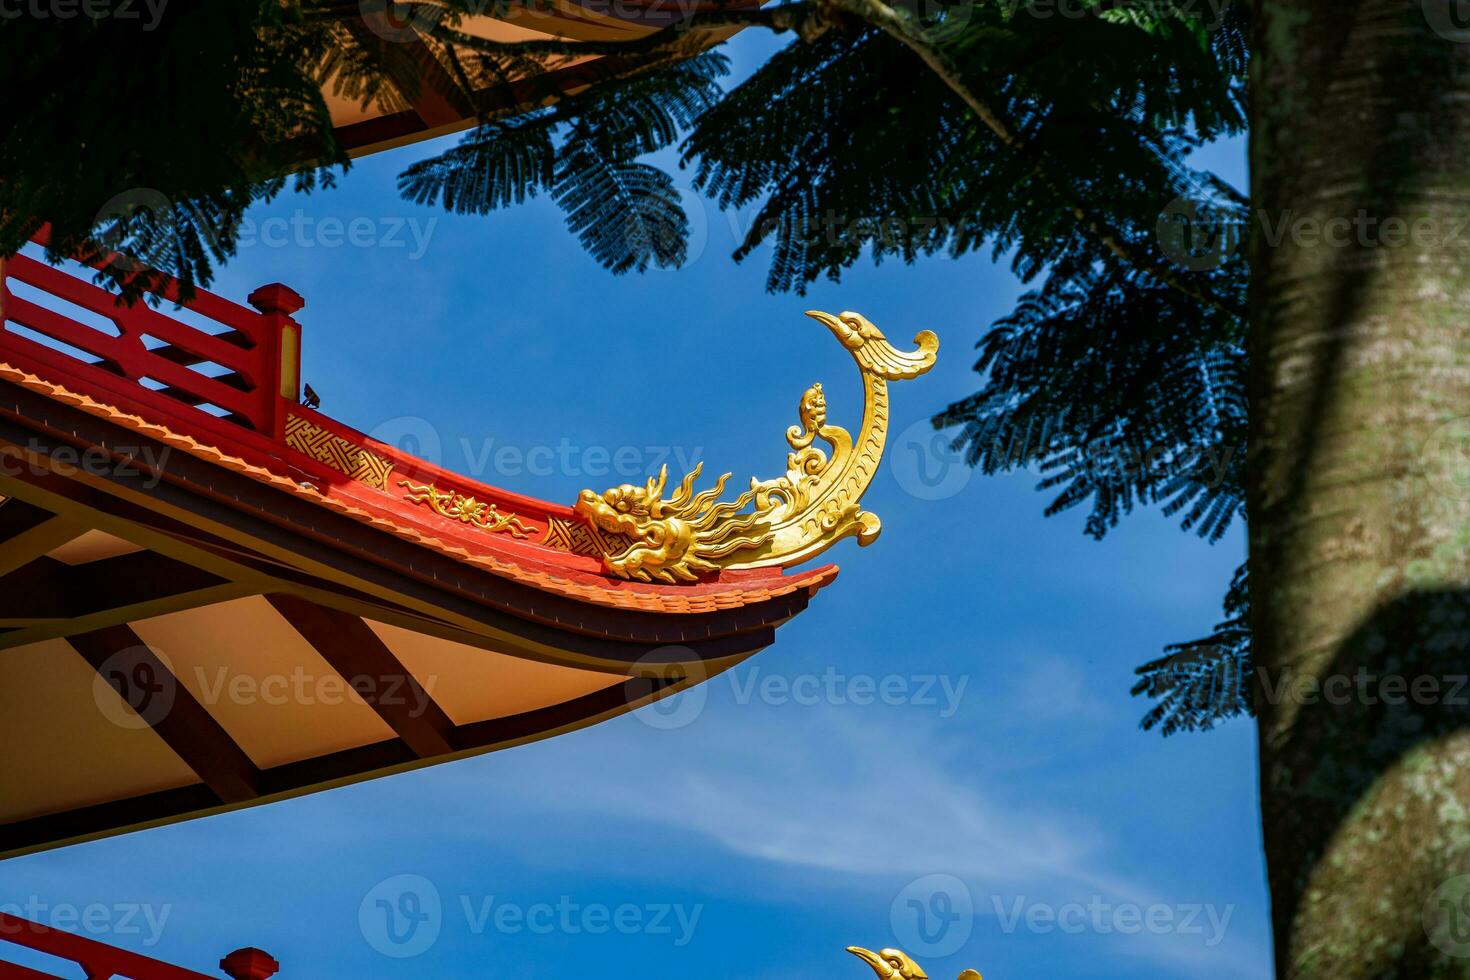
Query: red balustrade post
{"points": [[249, 964], [277, 303]]}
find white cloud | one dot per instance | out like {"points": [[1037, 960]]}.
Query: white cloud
{"points": [[839, 794]]}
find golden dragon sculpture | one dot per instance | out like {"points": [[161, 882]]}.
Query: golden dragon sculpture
{"points": [[779, 522]]}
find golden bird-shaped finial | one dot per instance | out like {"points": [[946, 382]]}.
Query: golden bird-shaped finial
{"points": [[895, 964], [890, 964], [873, 351]]}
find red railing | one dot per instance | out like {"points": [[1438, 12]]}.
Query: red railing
{"points": [[100, 961], [240, 370]]}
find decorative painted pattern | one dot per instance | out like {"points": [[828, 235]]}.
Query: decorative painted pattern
{"points": [[583, 539], [312, 440]]}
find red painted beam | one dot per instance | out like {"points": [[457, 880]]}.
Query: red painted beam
{"points": [[11, 971], [96, 959]]}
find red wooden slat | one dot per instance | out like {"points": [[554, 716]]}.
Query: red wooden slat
{"points": [[135, 360], [242, 318], [113, 389], [139, 319], [52, 280], [11, 971], [206, 388], [246, 348], [66, 330], [206, 347], [33, 354], [98, 959], [232, 381], [93, 297], [179, 356]]}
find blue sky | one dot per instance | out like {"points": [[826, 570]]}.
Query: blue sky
{"points": [[752, 833]]}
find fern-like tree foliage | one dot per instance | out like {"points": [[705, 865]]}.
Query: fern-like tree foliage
{"points": [[139, 140], [1122, 375], [1199, 683], [585, 152], [153, 138], [1056, 136]]}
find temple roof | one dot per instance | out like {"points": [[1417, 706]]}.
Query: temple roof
{"points": [[174, 523], [557, 553], [433, 105], [191, 555]]}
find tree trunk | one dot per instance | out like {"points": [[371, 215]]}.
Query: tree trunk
{"points": [[1359, 486]]}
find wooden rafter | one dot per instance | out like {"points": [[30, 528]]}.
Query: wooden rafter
{"points": [[27, 532], [328, 572], [146, 683], [348, 765], [357, 654], [512, 616], [130, 584]]}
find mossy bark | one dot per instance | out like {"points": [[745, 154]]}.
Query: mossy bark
{"points": [[1359, 485]]}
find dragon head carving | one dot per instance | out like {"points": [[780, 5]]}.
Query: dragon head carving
{"points": [[678, 538], [792, 517]]}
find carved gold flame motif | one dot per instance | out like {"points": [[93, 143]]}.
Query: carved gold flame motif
{"points": [[777, 522], [895, 964]]}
